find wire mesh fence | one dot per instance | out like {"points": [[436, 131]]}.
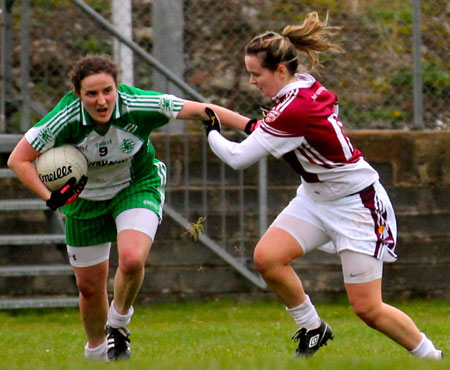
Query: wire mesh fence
{"points": [[374, 78]]}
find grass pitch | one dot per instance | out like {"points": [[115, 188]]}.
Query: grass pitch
{"points": [[218, 335]]}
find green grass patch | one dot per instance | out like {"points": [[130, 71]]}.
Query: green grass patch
{"points": [[218, 335]]}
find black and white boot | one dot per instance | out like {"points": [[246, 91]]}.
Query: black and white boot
{"points": [[118, 343], [311, 340]]}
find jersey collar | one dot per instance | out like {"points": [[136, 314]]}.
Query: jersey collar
{"points": [[85, 117], [304, 81]]}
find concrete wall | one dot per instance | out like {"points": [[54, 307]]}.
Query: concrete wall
{"points": [[413, 165]]}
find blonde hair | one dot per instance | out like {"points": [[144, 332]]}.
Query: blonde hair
{"points": [[310, 38]]}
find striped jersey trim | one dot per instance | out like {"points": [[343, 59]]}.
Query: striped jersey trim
{"points": [[149, 102], [383, 232], [279, 108], [58, 122], [314, 157], [347, 148], [162, 174], [288, 100]]}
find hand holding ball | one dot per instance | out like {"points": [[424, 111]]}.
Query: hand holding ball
{"points": [[63, 170], [57, 165]]}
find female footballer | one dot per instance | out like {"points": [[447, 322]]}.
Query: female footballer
{"points": [[122, 200], [340, 202]]}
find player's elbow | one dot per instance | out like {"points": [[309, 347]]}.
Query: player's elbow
{"points": [[238, 164], [237, 159], [235, 155], [11, 163]]}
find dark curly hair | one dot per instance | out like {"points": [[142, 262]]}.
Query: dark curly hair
{"points": [[92, 64]]}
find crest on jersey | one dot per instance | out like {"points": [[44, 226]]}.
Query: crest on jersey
{"points": [[45, 136], [127, 145], [166, 103], [271, 116]]}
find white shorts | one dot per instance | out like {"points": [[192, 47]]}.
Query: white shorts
{"points": [[356, 267], [363, 222], [360, 268], [140, 219]]}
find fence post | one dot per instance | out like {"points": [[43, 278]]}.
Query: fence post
{"points": [[6, 103], [25, 66], [122, 20], [168, 29], [262, 195], [417, 56]]}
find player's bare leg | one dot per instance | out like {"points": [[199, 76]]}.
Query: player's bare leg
{"points": [[366, 301], [133, 247], [93, 303], [273, 255]]}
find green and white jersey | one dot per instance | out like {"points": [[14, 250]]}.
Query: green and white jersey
{"points": [[120, 153]]}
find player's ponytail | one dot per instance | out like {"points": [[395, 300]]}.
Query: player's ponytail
{"points": [[311, 38]]}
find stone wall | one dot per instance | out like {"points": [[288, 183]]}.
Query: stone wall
{"points": [[414, 167]]}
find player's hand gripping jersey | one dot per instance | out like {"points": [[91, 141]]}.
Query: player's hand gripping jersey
{"points": [[120, 153], [303, 128]]}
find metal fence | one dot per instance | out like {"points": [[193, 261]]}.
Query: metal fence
{"points": [[393, 75], [395, 66]]}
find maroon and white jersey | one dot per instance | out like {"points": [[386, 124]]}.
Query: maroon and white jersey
{"points": [[304, 129]]}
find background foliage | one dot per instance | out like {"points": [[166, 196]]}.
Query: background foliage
{"points": [[373, 78]]}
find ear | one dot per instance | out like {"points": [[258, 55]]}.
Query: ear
{"points": [[282, 70]]}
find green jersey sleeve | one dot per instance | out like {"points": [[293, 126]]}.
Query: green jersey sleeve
{"points": [[49, 131], [155, 108]]}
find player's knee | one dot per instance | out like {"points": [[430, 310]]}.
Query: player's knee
{"points": [[366, 312], [88, 288], [263, 261], [131, 262]]}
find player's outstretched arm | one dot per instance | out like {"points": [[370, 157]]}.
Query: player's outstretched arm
{"points": [[237, 155], [21, 161], [193, 110], [212, 123]]}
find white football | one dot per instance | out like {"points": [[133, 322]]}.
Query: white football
{"points": [[57, 165]]}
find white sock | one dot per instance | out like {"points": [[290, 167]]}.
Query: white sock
{"points": [[98, 353], [305, 315], [426, 349], [116, 320]]}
